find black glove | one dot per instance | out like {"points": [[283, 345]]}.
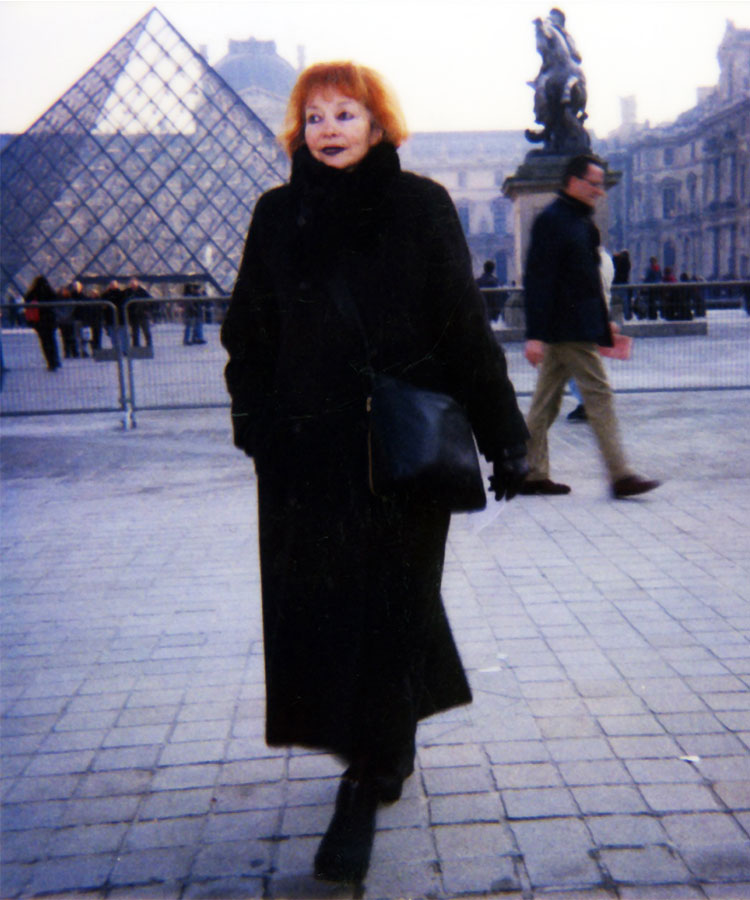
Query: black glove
{"points": [[509, 472]]}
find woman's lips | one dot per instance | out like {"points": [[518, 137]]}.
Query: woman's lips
{"points": [[332, 151]]}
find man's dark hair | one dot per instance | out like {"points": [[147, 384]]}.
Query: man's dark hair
{"points": [[489, 266], [578, 166]]}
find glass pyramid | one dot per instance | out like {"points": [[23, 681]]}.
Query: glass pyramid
{"points": [[150, 164]]}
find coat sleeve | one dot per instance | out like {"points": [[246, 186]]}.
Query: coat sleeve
{"points": [[466, 345], [249, 334], [541, 277]]}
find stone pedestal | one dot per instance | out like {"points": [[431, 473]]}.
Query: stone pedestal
{"points": [[535, 184]]}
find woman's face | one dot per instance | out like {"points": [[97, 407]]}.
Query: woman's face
{"points": [[338, 129]]}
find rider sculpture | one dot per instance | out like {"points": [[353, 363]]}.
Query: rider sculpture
{"points": [[559, 90]]}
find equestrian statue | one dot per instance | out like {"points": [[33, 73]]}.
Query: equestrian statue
{"points": [[559, 90]]}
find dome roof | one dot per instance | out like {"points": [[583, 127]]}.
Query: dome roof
{"points": [[254, 63]]}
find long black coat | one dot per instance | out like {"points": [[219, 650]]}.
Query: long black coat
{"points": [[357, 645]]}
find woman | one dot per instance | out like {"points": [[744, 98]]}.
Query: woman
{"points": [[353, 262], [44, 321]]}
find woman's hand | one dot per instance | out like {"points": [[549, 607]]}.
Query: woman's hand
{"points": [[509, 472]]}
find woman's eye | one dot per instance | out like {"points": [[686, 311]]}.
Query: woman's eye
{"points": [[313, 119], [344, 114]]}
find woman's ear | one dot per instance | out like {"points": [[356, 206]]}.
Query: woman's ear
{"points": [[376, 134]]}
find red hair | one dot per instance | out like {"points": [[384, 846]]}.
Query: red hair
{"points": [[360, 83]]}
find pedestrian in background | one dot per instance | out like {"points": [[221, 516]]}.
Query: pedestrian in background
{"points": [[92, 315], [488, 281], [652, 296], [354, 252], [66, 324], [193, 313], [117, 328], [43, 319], [139, 314], [621, 263], [566, 319]]}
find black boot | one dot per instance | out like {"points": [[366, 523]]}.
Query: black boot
{"points": [[344, 852], [391, 771]]}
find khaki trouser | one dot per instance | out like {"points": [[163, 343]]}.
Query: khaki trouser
{"points": [[581, 361]]}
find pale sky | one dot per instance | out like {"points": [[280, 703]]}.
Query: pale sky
{"points": [[455, 64]]}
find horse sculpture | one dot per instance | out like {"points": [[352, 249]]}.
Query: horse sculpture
{"points": [[559, 90]]}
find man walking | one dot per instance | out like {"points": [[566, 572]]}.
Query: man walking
{"points": [[566, 318]]}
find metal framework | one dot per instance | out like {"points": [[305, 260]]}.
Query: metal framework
{"points": [[149, 163]]}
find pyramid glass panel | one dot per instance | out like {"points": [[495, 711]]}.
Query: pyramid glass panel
{"points": [[150, 165]]}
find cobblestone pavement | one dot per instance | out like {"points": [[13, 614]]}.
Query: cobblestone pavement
{"points": [[606, 751]]}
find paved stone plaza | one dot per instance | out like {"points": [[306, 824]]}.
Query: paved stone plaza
{"points": [[605, 754]]}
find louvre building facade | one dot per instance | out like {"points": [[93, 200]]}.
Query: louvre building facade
{"points": [[149, 165], [685, 193]]}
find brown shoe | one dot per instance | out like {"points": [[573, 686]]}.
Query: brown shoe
{"points": [[631, 485], [543, 486]]}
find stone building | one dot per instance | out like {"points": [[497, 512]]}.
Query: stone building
{"points": [[472, 166], [685, 192]]}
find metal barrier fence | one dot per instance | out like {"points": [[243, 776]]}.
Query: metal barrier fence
{"points": [[687, 336], [168, 354], [155, 354]]}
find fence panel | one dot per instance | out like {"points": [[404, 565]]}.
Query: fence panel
{"points": [[186, 366], [82, 382]]}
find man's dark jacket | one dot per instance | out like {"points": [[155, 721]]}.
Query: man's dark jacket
{"points": [[563, 289]]}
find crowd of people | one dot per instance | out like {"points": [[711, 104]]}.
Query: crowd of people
{"points": [[71, 321], [677, 303]]}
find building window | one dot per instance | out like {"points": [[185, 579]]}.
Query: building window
{"points": [[669, 202], [669, 254], [732, 179], [715, 180], [500, 216], [692, 185], [638, 195], [501, 267], [732, 254], [668, 156], [461, 179], [463, 215]]}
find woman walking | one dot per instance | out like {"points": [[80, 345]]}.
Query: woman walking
{"points": [[355, 265]]}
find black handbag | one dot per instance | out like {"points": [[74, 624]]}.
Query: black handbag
{"points": [[420, 444]]}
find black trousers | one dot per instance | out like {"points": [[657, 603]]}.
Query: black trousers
{"points": [[48, 340]]}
